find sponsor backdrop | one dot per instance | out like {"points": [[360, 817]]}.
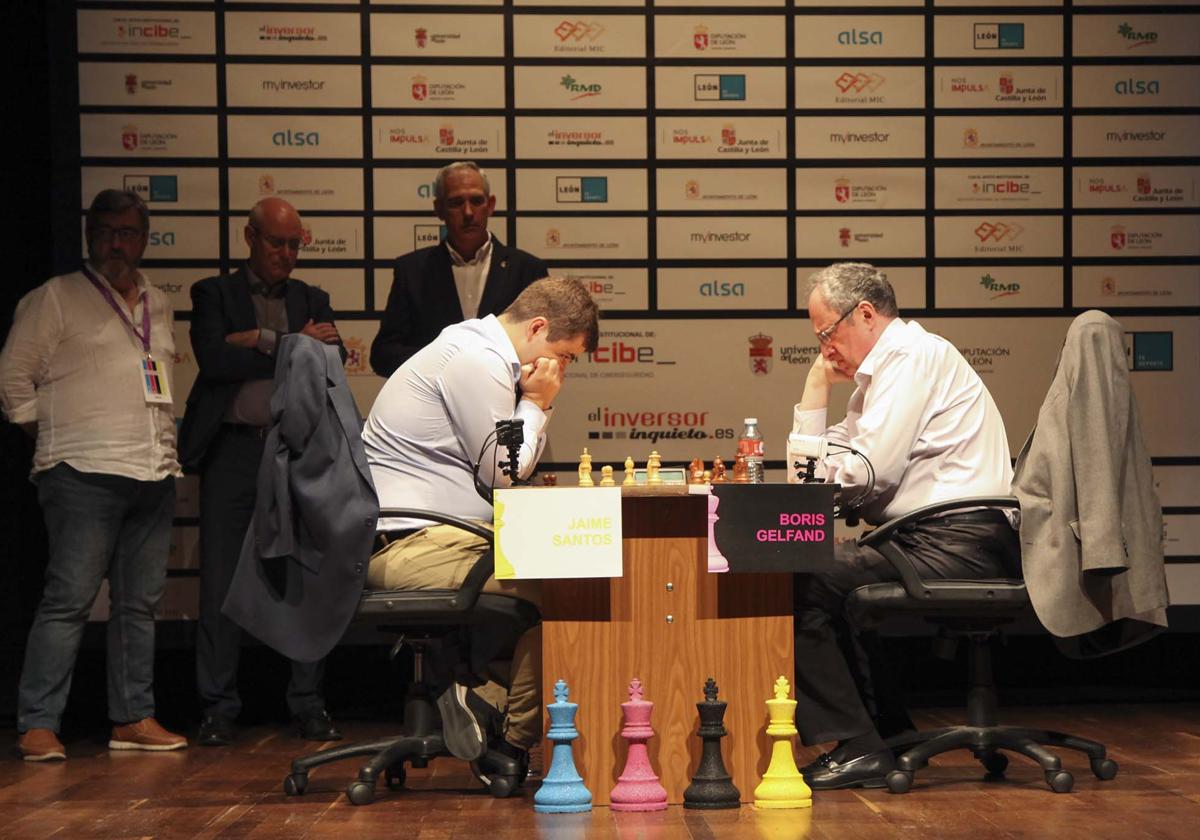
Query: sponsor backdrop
{"points": [[1008, 164]]}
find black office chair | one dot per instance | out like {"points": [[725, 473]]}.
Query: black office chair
{"points": [[975, 610], [433, 615]]}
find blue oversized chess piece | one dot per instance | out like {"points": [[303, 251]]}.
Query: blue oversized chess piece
{"points": [[562, 791]]}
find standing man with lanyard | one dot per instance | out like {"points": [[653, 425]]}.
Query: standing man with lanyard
{"points": [[87, 371], [237, 320]]}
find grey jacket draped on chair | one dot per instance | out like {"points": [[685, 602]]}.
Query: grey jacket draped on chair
{"points": [[304, 560], [1091, 524]]}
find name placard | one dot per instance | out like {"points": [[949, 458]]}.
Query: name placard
{"points": [[771, 527], [558, 532]]}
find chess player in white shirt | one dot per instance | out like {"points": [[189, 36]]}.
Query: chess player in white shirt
{"points": [[932, 431]]}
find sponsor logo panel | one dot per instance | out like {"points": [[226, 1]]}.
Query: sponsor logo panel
{"points": [[293, 85], [307, 189], [412, 189], [998, 236], [860, 237], [720, 87], [858, 36], [719, 36], [722, 238], [422, 35], [990, 137], [998, 286], [860, 137], [997, 87], [287, 33], [346, 286], [181, 238], [325, 238], [1140, 186], [569, 190], [1165, 385], [722, 189], [436, 86], [581, 137], [1150, 350], [578, 35], [722, 288], [176, 284], [1109, 286], [908, 282], [357, 336], [580, 87], [721, 3], [407, 233], [728, 138], [165, 188], [1131, 237], [854, 86], [1121, 36], [1129, 136], [976, 36], [800, 4], [1034, 187], [574, 237], [1129, 86], [295, 136], [139, 31], [147, 135], [137, 85], [613, 288], [447, 136], [860, 189]]}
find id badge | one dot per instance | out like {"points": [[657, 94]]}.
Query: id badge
{"points": [[155, 387]]}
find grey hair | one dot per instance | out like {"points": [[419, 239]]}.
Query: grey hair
{"points": [[843, 285], [116, 201], [439, 182]]}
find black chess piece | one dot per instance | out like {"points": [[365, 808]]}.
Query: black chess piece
{"points": [[711, 787]]}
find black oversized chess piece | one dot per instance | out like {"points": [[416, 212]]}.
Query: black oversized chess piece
{"points": [[711, 787]]}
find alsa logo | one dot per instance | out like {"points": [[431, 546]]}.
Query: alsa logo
{"points": [[860, 37], [1136, 87], [858, 82], [998, 231], [580, 90], [1000, 289], [578, 30], [165, 239], [295, 137], [722, 288], [1136, 39], [761, 354]]}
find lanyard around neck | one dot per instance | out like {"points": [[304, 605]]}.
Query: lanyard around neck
{"points": [[144, 335]]}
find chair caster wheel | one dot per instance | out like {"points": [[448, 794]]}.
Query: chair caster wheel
{"points": [[502, 787], [360, 792], [899, 781], [1104, 768], [995, 763], [394, 777], [294, 784], [1060, 781]]}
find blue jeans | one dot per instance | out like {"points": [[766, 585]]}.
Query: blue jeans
{"points": [[100, 526]]}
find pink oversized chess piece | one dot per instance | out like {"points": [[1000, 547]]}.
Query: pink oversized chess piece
{"points": [[716, 560], [637, 788]]}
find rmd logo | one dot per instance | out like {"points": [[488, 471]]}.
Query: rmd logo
{"points": [[1136, 39], [1000, 289], [860, 37], [165, 239], [1136, 87], [722, 288], [296, 138]]}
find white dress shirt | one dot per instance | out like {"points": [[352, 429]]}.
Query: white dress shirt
{"points": [[925, 420], [470, 276], [428, 425], [73, 366]]}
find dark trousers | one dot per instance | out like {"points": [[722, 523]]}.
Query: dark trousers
{"points": [[227, 493], [843, 683]]}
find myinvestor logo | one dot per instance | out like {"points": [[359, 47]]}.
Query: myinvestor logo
{"points": [[708, 236]]}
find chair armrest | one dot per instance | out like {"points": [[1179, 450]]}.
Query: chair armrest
{"points": [[885, 531], [478, 574]]}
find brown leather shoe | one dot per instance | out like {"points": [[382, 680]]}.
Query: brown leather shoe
{"points": [[145, 734], [40, 745]]}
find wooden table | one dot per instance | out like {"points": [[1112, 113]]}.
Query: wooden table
{"points": [[671, 624]]}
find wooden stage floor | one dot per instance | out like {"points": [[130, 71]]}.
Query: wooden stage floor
{"points": [[236, 792]]}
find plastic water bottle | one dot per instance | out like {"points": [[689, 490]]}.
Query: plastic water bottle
{"points": [[750, 444]]}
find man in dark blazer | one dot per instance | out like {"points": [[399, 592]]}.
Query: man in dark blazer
{"points": [[237, 320], [471, 274]]}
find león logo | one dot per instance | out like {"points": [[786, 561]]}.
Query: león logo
{"points": [[841, 190], [700, 37], [266, 184], [1117, 238], [420, 88], [858, 82], [131, 83], [553, 238], [844, 237], [998, 231], [691, 189], [578, 30], [971, 138], [129, 138], [356, 357], [421, 35], [760, 354]]}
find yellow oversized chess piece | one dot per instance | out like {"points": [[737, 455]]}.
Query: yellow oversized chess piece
{"points": [[782, 785]]}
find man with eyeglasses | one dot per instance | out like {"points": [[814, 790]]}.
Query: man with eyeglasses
{"points": [[932, 432], [471, 274], [87, 370], [237, 320]]}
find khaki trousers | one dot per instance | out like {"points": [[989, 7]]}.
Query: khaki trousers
{"points": [[439, 557]]}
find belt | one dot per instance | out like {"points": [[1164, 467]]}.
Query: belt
{"points": [[385, 538], [244, 430], [990, 516]]}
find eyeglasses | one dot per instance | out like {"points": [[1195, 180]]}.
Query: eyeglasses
{"points": [[826, 335], [104, 233], [455, 202], [278, 242]]}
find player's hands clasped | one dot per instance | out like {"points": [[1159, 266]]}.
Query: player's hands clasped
{"points": [[541, 380], [321, 332]]}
